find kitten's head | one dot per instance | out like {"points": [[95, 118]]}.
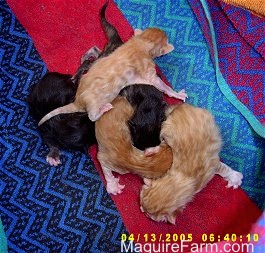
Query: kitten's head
{"points": [[156, 40], [152, 202], [53, 90], [164, 198], [145, 124]]}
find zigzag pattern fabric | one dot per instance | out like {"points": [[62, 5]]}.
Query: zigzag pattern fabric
{"points": [[67, 209], [236, 46], [64, 209], [242, 39], [252, 185], [190, 67]]}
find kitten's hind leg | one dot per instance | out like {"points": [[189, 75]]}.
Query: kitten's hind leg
{"points": [[234, 178], [53, 158], [113, 186]]}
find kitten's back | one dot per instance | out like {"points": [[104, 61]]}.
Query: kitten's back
{"points": [[149, 113], [115, 146], [195, 141], [194, 137]]}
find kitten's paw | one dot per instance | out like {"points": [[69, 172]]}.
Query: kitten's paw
{"points": [[92, 52], [181, 95], [113, 186], [234, 179], [105, 108], [53, 161], [151, 151]]}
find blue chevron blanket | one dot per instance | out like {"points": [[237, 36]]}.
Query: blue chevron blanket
{"points": [[67, 209]]}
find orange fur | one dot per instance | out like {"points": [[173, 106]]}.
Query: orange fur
{"points": [[195, 141], [130, 63], [116, 152]]}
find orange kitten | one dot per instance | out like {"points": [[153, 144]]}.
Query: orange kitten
{"points": [[116, 152], [195, 141], [130, 63]]}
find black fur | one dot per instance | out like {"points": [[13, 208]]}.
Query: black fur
{"points": [[87, 61], [72, 130], [75, 130], [54, 90], [114, 40], [149, 114]]}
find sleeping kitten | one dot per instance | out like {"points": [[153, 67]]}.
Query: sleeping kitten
{"points": [[74, 130], [130, 63], [116, 152], [149, 113], [195, 141], [54, 90]]}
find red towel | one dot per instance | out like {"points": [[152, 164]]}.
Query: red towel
{"points": [[62, 32]]}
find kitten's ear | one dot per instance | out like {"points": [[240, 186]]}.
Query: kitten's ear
{"points": [[167, 49], [137, 31], [172, 218]]}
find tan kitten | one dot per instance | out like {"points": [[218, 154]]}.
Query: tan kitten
{"points": [[130, 63], [116, 152], [195, 141]]}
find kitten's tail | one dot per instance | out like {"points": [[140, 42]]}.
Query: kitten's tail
{"points": [[70, 108], [153, 166], [109, 29]]}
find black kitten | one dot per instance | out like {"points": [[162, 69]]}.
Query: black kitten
{"points": [[54, 90], [74, 130], [149, 113]]}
